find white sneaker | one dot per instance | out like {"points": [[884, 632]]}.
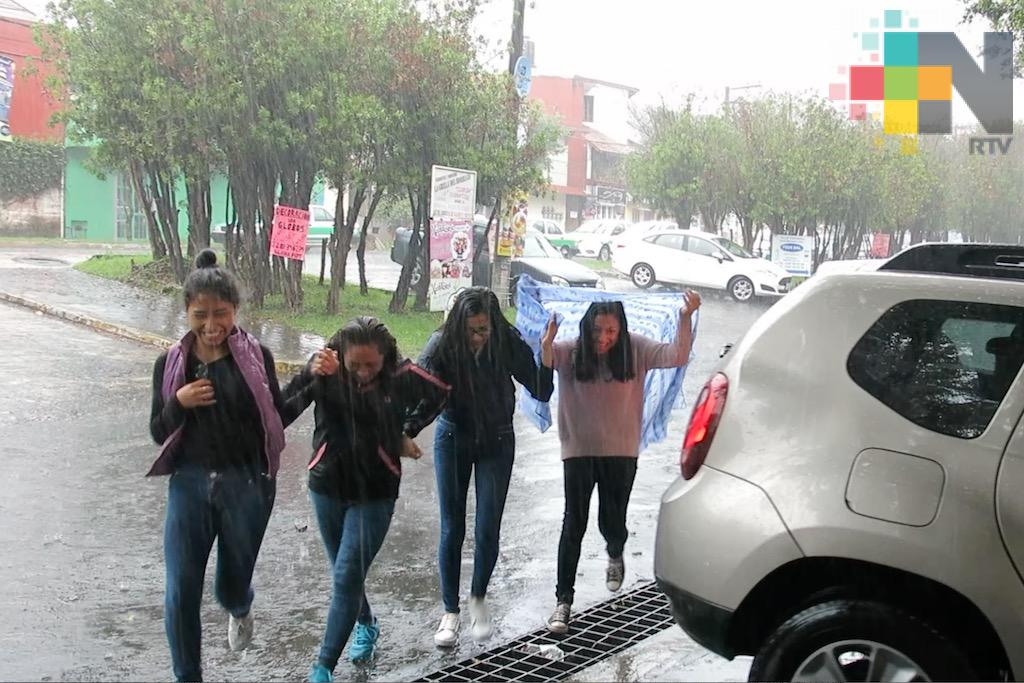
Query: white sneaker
{"points": [[481, 619], [448, 631], [240, 631]]}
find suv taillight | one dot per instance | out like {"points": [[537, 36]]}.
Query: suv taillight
{"points": [[703, 423]]}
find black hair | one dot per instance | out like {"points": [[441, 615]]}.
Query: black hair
{"points": [[367, 331], [620, 356], [209, 278], [453, 347]]}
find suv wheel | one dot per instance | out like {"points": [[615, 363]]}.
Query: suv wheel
{"points": [[857, 640], [642, 276], [565, 252], [741, 289], [606, 253]]}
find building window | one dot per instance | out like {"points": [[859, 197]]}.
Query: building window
{"points": [[129, 216], [588, 108]]}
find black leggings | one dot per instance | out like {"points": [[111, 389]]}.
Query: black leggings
{"points": [[614, 479]]}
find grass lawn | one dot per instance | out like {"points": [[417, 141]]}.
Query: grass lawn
{"points": [[594, 264], [411, 329]]}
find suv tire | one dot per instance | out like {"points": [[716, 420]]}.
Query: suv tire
{"points": [[643, 276], [807, 646], [741, 289], [606, 253]]}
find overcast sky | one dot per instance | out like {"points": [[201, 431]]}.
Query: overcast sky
{"points": [[668, 48]]}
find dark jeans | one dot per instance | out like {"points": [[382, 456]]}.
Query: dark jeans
{"points": [[456, 456], [614, 479], [353, 534], [231, 507]]}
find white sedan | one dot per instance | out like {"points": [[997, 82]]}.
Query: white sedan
{"points": [[698, 259]]}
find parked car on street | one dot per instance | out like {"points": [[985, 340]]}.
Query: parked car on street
{"points": [[540, 260], [698, 259], [556, 235], [594, 238], [849, 503]]}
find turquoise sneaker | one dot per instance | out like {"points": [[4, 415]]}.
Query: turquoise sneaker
{"points": [[364, 639], [318, 673]]}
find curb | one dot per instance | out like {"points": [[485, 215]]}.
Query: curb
{"points": [[283, 367]]}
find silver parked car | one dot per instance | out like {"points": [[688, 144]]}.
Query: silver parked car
{"points": [[851, 498]]}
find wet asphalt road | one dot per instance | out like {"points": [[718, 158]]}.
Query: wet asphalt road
{"points": [[82, 529]]}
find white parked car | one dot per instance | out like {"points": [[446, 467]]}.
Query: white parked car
{"points": [[849, 506], [594, 238], [698, 259]]}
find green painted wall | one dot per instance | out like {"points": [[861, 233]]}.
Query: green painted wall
{"points": [[91, 200], [87, 199]]}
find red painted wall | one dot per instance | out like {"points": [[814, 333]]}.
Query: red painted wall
{"points": [[31, 107], [563, 97]]}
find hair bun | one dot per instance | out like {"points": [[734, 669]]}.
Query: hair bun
{"points": [[207, 258]]}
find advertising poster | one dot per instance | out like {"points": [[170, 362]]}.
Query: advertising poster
{"points": [[289, 232], [452, 205]]}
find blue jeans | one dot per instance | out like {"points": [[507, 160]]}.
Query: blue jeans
{"points": [[231, 507], [456, 456], [352, 535]]}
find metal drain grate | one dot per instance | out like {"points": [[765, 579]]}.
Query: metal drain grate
{"points": [[595, 635]]}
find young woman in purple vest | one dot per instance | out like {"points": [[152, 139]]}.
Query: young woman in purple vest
{"points": [[219, 416], [367, 412], [600, 409]]}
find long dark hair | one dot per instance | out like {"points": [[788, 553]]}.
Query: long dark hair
{"points": [[209, 278], [366, 331], [620, 356], [453, 349]]}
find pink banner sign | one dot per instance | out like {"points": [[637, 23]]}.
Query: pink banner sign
{"points": [[289, 232]]}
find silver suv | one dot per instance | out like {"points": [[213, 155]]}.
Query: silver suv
{"points": [[851, 501]]}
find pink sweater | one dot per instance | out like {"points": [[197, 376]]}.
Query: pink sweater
{"points": [[603, 418]]}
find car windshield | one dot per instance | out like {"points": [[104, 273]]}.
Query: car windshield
{"points": [[732, 247], [538, 247]]}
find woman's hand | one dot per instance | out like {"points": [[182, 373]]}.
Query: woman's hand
{"points": [[691, 305], [326, 363], [547, 342], [410, 449], [198, 394]]}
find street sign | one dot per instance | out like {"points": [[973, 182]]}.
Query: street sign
{"points": [[522, 75], [794, 253]]}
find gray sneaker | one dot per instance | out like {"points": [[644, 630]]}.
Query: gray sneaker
{"points": [[614, 574], [559, 620]]}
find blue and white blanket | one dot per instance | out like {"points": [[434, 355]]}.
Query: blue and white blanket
{"points": [[652, 315]]}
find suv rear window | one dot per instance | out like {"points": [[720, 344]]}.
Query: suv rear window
{"points": [[943, 365]]}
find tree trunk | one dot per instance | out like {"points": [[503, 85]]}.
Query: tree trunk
{"points": [[334, 293], [364, 286], [162, 188], [156, 240], [200, 213], [423, 288], [401, 295]]}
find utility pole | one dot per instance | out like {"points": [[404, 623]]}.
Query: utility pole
{"points": [[501, 265]]}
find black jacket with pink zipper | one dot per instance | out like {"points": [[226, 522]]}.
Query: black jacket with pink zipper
{"points": [[357, 438]]}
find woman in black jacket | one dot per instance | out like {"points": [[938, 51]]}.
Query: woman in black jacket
{"points": [[368, 409], [478, 353]]}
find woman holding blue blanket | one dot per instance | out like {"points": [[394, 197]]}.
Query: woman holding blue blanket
{"points": [[600, 409]]}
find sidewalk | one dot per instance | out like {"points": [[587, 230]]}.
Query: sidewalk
{"points": [[42, 278]]}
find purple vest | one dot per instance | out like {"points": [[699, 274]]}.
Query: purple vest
{"points": [[249, 358]]}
